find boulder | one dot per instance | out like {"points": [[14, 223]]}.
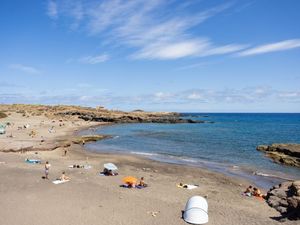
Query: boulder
{"points": [[285, 199]]}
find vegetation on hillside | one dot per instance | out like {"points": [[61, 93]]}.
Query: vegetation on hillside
{"points": [[2, 115]]}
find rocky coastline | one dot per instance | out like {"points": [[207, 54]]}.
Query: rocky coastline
{"points": [[45, 127], [287, 154], [132, 117], [285, 198], [99, 114]]}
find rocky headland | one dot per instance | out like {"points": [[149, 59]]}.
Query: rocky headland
{"points": [[288, 154], [98, 114], [44, 127], [285, 198]]}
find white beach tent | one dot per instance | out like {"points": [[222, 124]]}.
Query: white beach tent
{"points": [[110, 166], [2, 129], [196, 210]]}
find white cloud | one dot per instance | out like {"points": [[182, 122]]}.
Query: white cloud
{"points": [[52, 9], [161, 96], [156, 29], [291, 96], [273, 47], [195, 96], [223, 49], [172, 50], [94, 59], [26, 69]]}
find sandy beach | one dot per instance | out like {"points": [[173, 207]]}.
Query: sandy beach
{"points": [[89, 198]]}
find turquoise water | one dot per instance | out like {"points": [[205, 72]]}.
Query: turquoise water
{"points": [[228, 145]]}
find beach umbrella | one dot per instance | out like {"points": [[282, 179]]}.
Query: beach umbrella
{"points": [[110, 166], [129, 180]]}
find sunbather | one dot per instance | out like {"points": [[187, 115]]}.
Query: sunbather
{"points": [[130, 185], [257, 193], [107, 172], [182, 185], [248, 191], [142, 182], [63, 177]]}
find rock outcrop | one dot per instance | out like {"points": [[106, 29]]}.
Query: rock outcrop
{"points": [[288, 154], [125, 117], [285, 198], [89, 138]]}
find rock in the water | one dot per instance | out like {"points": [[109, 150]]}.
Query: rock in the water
{"points": [[89, 138], [288, 154], [285, 199]]}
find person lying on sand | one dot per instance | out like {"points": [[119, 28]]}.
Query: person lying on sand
{"points": [[131, 185], [76, 166], [257, 193], [248, 191], [182, 185], [107, 172], [63, 177], [187, 186]]}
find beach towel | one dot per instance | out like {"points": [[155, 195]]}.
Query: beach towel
{"points": [[33, 160], [137, 186], [188, 186], [140, 187], [59, 181], [80, 166]]}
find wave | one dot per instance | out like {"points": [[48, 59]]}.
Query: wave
{"points": [[144, 153], [271, 175]]}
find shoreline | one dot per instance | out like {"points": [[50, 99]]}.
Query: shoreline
{"points": [[262, 178], [90, 197], [226, 169]]}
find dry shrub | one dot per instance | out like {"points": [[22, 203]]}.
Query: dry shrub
{"points": [[2, 115]]}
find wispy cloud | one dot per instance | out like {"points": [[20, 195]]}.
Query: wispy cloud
{"points": [[273, 47], [52, 9], [156, 29], [291, 96], [244, 97], [94, 59], [26, 69], [4, 84]]}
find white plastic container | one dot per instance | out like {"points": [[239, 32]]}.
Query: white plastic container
{"points": [[196, 210]]}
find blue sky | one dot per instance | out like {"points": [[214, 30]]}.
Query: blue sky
{"points": [[200, 55]]}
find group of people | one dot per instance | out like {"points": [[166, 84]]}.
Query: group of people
{"points": [[63, 176], [253, 191], [140, 184], [107, 172]]}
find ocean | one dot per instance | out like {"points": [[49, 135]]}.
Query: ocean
{"points": [[228, 145]]}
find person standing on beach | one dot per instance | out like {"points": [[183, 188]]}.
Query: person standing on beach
{"points": [[47, 167]]}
